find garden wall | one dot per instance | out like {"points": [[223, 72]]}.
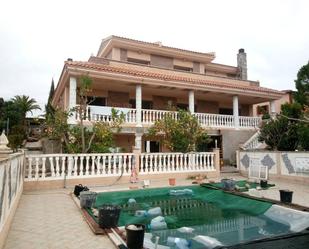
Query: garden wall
{"points": [[281, 164]]}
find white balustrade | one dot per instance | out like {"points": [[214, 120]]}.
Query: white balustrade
{"points": [[215, 120], [253, 142], [249, 122], [157, 163], [70, 166], [149, 116]]}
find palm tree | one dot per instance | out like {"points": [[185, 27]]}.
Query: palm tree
{"points": [[25, 104]]}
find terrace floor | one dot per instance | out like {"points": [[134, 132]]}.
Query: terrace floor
{"points": [[51, 219]]}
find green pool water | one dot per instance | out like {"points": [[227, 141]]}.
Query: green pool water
{"points": [[229, 218]]}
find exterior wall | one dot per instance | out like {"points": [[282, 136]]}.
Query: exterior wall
{"points": [[123, 54], [207, 106], [139, 56], [11, 182], [287, 98], [245, 110], [125, 141], [196, 67], [161, 61], [116, 54], [162, 102], [183, 63], [285, 165], [118, 99], [231, 139]]}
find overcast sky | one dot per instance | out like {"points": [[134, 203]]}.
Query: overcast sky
{"points": [[36, 37]]}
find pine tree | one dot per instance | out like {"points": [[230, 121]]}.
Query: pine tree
{"points": [[49, 109], [302, 86]]}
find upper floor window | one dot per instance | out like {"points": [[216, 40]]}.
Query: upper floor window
{"points": [[138, 61], [186, 69]]}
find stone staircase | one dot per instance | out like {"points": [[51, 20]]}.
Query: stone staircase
{"points": [[253, 143]]}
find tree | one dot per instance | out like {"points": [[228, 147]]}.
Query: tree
{"points": [[80, 138], [26, 104], [302, 86], [282, 132], [49, 109], [181, 134]]}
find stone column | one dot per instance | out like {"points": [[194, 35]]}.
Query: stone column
{"points": [[138, 141], [191, 101], [235, 111], [272, 107], [217, 161], [138, 105], [72, 93]]}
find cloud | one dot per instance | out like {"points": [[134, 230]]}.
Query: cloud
{"points": [[37, 36]]}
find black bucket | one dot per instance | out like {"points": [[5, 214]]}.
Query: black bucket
{"points": [[286, 196], [135, 237], [79, 188], [263, 184], [109, 216]]}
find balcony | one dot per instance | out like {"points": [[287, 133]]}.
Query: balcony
{"points": [[149, 117]]}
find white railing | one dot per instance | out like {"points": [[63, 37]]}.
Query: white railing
{"points": [[252, 142], [11, 185], [249, 122], [215, 120], [70, 166], [157, 163], [149, 116]]}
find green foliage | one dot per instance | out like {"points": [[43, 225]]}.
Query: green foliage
{"points": [[181, 135], [16, 137], [25, 104], [303, 136], [283, 132], [49, 109], [302, 86], [293, 110]]}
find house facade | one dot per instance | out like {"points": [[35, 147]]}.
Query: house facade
{"points": [[143, 80]]}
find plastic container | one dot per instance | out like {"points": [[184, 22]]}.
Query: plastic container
{"points": [[228, 184], [181, 192], [263, 184], [109, 216], [178, 242], [158, 219], [87, 199], [154, 212], [286, 195], [172, 181], [135, 236], [157, 225], [141, 213]]}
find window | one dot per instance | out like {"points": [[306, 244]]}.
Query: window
{"points": [[186, 69], [146, 104], [138, 61], [98, 101], [262, 109]]}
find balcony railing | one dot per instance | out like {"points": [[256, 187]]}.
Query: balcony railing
{"points": [[149, 117]]}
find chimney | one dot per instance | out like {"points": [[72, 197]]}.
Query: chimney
{"points": [[242, 64]]}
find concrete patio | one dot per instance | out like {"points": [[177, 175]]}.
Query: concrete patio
{"points": [[51, 220]]}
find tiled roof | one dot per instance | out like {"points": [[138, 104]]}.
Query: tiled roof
{"points": [[155, 44], [200, 79]]}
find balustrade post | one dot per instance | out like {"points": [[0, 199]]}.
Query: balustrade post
{"points": [[216, 161]]}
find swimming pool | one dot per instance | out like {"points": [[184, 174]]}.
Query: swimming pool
{"points": [[207, 217]]}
